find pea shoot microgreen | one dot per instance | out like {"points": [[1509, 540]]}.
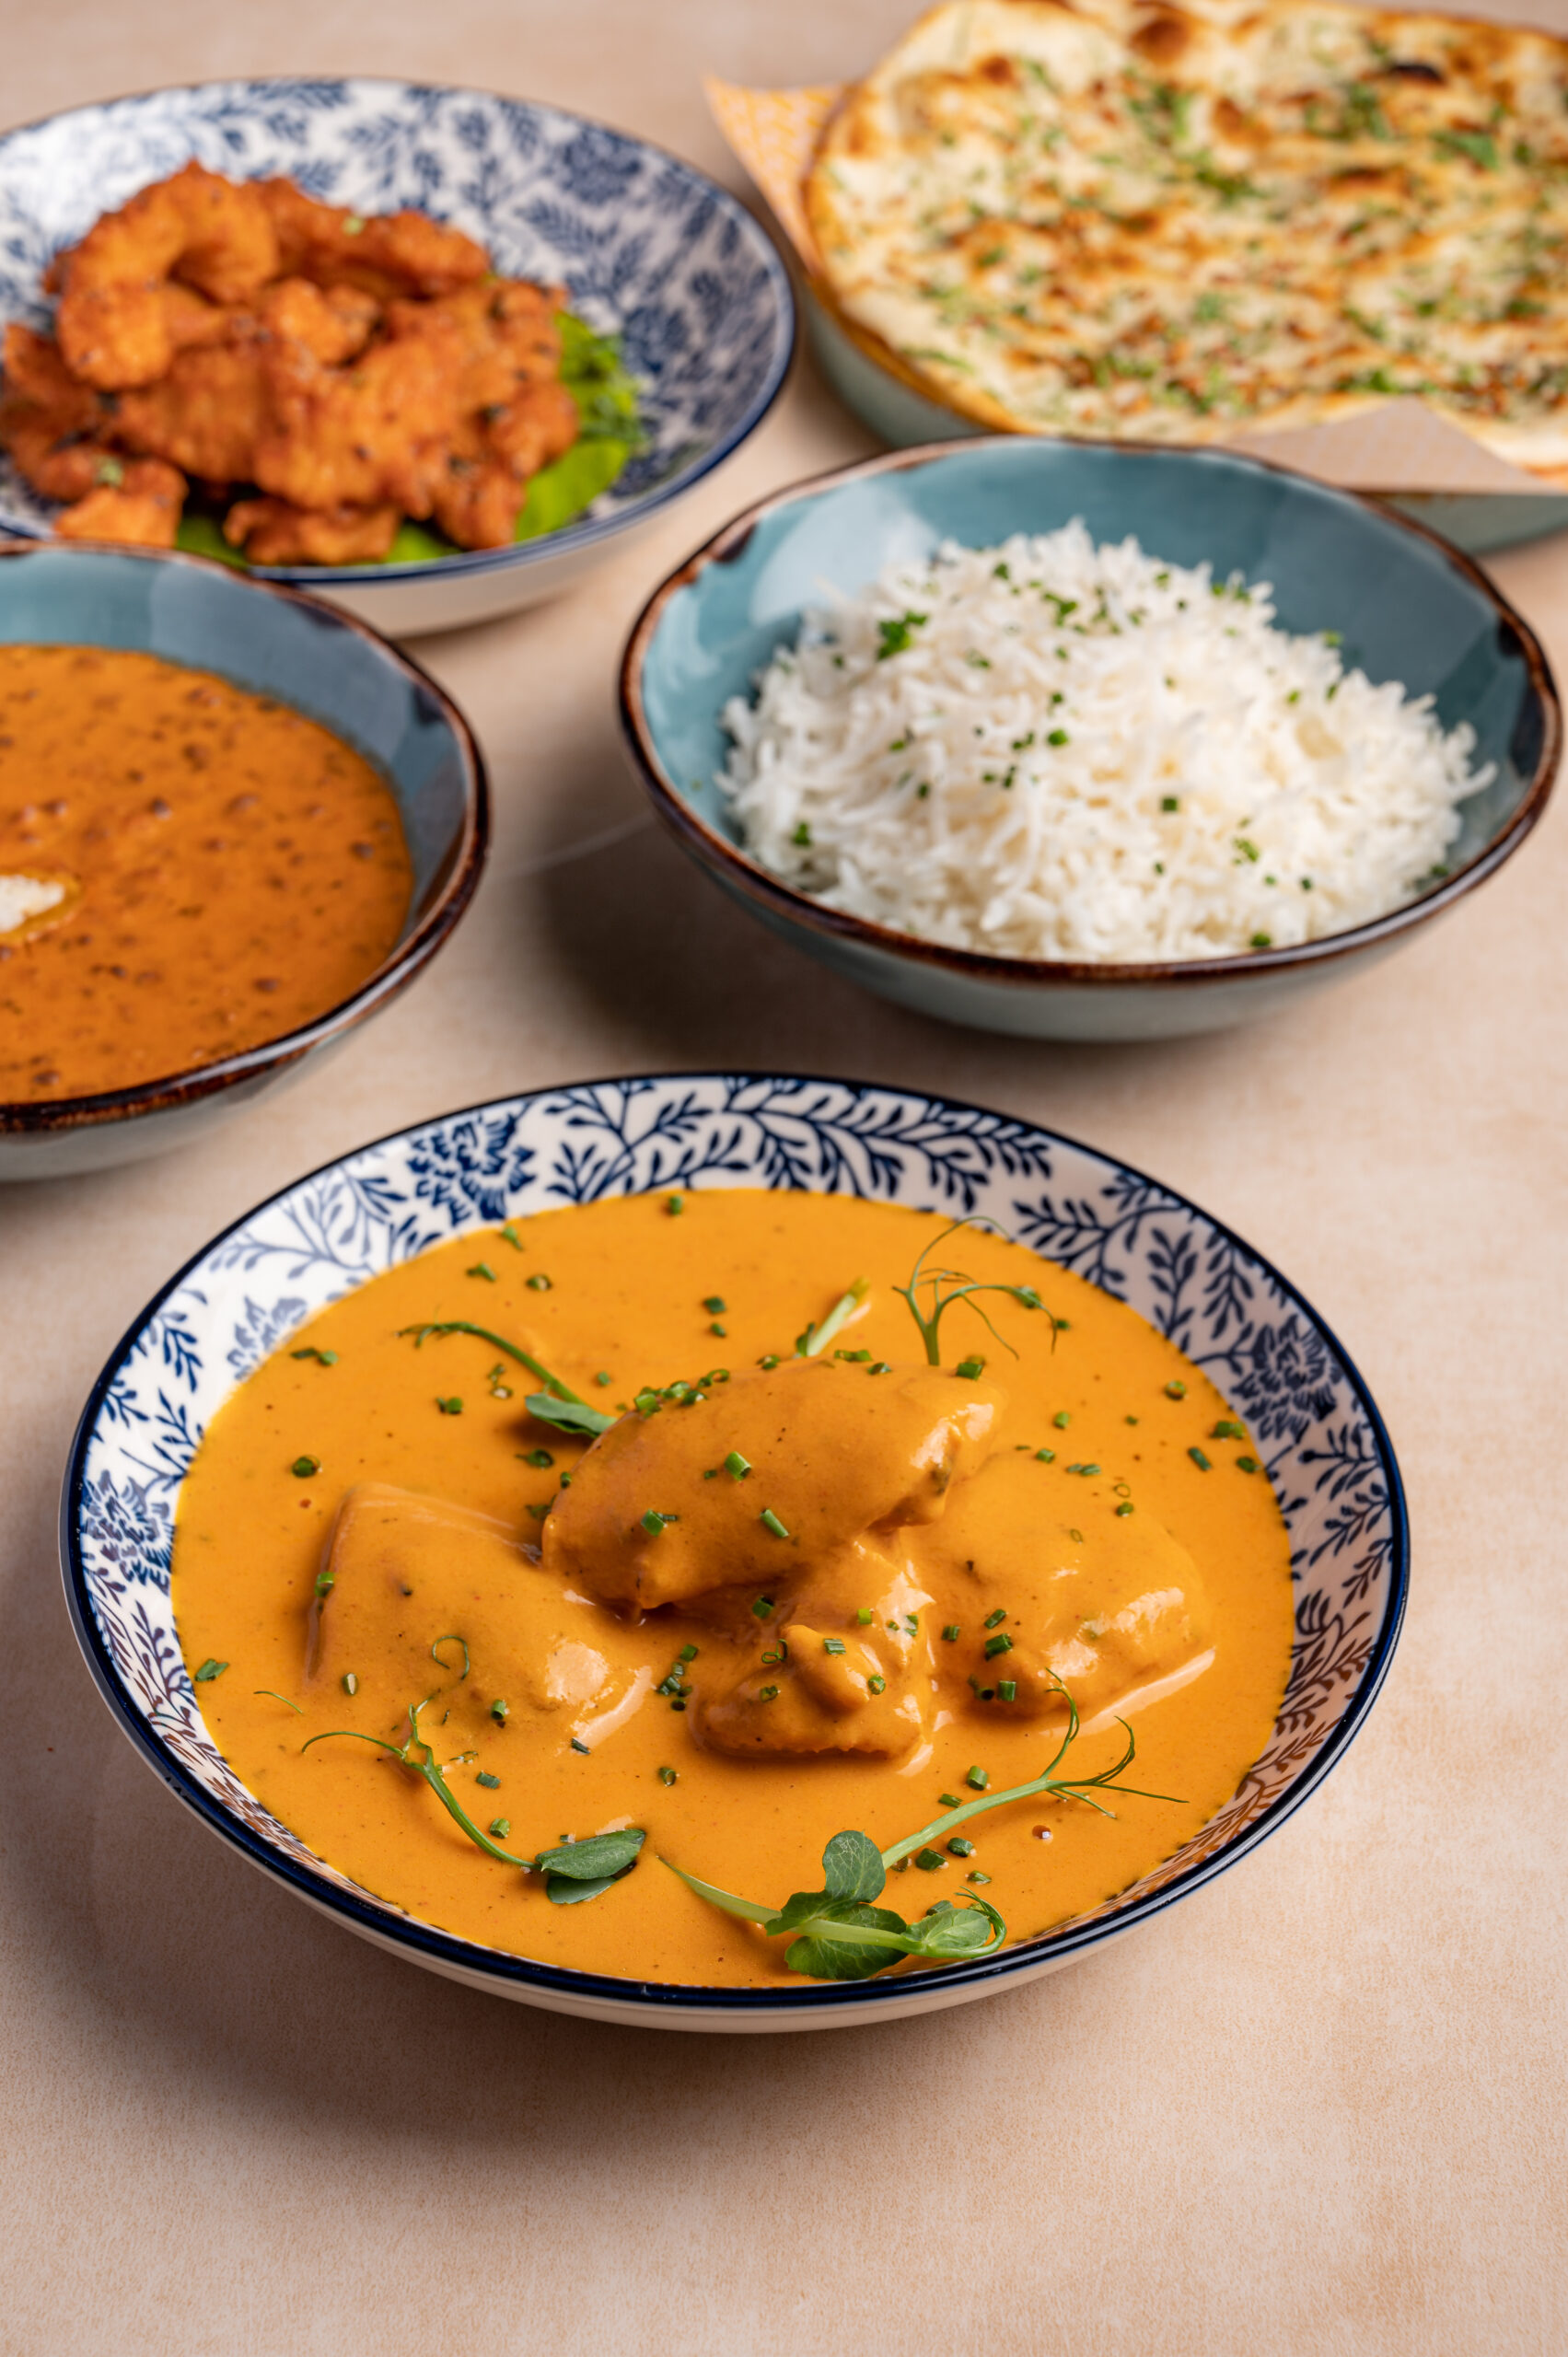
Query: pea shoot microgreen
{"points": [[839, 1933], [961, 1287], [557, 1404], [573, 1871]]}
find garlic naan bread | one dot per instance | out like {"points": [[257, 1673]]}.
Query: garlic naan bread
{"points": [[1175, 224]]}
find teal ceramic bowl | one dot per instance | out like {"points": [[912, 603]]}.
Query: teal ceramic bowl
{"points": [[1409, 607], [277, 642]]}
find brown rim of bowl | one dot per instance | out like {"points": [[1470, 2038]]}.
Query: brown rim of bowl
{"points": [[449, 893], [1024, 973]]}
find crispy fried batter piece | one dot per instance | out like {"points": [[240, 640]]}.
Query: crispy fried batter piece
{"points": [[142, 509], [333, 323], [206, 415], [213, 408], [397, 254], [480, 496], [272, 532], [358, 436], [120, 319], [514, 413], [51, 425]]}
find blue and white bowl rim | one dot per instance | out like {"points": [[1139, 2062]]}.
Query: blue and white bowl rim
{"points": [[444, 1950], [588, 529]]}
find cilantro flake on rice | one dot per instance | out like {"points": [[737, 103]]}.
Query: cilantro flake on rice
{"points": [[1051, 749]]}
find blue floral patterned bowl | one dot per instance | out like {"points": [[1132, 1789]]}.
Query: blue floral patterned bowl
{"points": [[649, 248], [279, 643], [1327, 1453], [1409, 608]]}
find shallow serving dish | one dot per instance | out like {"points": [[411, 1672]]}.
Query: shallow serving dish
{"points": [[279, 643], [650, 249], [1324, 1448], [1410, 607]]}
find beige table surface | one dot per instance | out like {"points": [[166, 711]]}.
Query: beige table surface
{"points": [[1318, 2109]]}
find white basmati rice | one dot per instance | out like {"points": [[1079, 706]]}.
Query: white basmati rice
{"points": [[1049, 749]]}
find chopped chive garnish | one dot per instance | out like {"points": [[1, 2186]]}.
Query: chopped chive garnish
{"points": [[1226, 1430], [500, 1827], [714, 1305], [930, 1861], [977, 1877], [579, 1747], [998, 1644], [667, 1776], [1046, 1455], [500, 1711], [674, 1205], [977, 1780], [770, 1521], [1176, 1390], [769, 1362], [970, 1369], [994, 1619], [833, 1644], [1199, 1460], [1125, 1507], [453, 1407], [768, 1694], [491, 1783], [351, 1683], [736, 1466], [327, 1358], [959, 1848], [653, 1523], [952, 1632], [1087, 1469], [763, 1607], [305, 1466], [879, 1367], [604, 1379], [209, 1670], [686, 1653], [512, 1239], [1007, 1690], [1246, 1465], [948, 1800], [1062, 1420], [482, 1268], [875, 1685], [325, 1582], [538, 1282], [864, 1617]]}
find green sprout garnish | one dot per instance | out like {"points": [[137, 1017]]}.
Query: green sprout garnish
{"points": [[961, 1287], [573, 1871], [839, 1935], [557, 1404]]}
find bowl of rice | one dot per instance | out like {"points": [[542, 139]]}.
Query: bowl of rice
{"points": [[1079, 741]]}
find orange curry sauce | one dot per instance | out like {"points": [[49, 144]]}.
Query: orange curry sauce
{"points": [[819, 1596], [231, 870]]}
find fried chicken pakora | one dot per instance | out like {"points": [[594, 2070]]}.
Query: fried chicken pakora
{"points": [[351, 370]]}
